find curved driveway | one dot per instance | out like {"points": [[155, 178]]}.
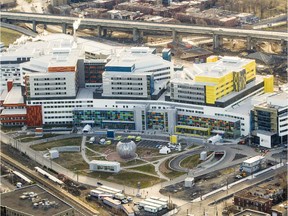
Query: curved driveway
{"points": [[175, 163], [225, 162]]}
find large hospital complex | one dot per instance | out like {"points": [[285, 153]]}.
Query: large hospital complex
{"points": [[57, 80]]}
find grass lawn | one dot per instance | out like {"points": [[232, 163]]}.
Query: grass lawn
{"points": [[8, 36], [29, 138], [64, 142], [100, 148], [191, 161], [127, 178], [164, 168], [146, 168], [71, 161], [132, 162]]}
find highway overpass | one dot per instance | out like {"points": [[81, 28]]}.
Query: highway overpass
{"points": [[138, 27]]}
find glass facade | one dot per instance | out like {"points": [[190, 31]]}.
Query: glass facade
{"points": [[157, 121], [112, 119], [231, 129], [93, 72]]}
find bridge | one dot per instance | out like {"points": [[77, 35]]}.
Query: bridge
{"points": [[138, 27]]}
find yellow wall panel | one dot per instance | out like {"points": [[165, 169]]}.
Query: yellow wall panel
{"points": [[268, 84]]}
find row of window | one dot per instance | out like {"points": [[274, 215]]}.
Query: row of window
{"points": [[13, 118], [230, 116], [57, 88], [124, 78], [51, 112], [60, 102], [188, 87], [51, 83], [50, 93], [190, 97], [44, 79], [127, 93], [126, 88], [125, 83], [57, 117], [68, 106]]}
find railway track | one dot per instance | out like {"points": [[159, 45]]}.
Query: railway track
{"points": [[81, 207]]}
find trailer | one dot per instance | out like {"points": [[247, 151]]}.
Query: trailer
{"points": [[23, 177], [96, 193], [48, 175]]}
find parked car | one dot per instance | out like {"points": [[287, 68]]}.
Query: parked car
{"points": [[129, 199]]}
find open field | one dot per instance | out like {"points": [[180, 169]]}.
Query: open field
{"points": [[8, 36], [126, 178], [29, 138], [72, 161], [190, 162], [58, 143], [146, 168], [164, 168]]}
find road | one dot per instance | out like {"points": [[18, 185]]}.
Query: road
{"points": [[146, 26]]}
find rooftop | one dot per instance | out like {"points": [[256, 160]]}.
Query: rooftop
{"points": [[12, 200], [246, 194], [253, 159], [104, 162], [14, 96], [14, 112], [84, 93], [221, 67], [250, 212], [281, 208], [141, 57]]}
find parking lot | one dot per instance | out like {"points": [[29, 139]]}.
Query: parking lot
{"points": [[151, 144]]}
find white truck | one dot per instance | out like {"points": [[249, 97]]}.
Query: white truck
{"points": [[119, 196]]}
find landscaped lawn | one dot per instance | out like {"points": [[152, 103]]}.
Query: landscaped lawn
{"points": [[72, 161], [191, 161], [132, 162], [76, 141], [146, 168], [127, 178], [164, 168], [29, 138]]}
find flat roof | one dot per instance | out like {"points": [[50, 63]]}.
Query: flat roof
{"points": [[84, 93], [254, 159], [143, 61], [116, 202], [14, 111], [246, 194], [104, 162], [281, 207], [12, 200], [250, 212], [14, 96], [221, 67]]}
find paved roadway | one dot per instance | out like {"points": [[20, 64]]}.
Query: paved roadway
{"points": [[148, 26]]}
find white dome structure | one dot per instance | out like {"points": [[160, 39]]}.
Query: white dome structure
{"points": [[126, 149]]}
